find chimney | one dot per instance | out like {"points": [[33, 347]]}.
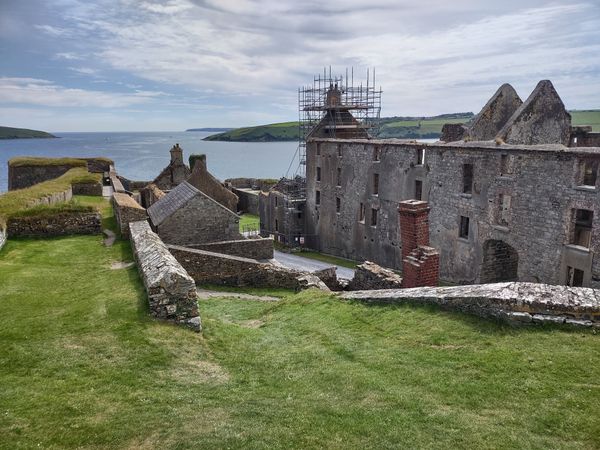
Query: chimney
{"points": [[420, 262], [176, 155]]}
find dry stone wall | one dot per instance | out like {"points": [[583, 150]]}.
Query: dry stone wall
{"points": [[513, 302], [171, 291], [62, 224], [369, 275], [94, 189]]}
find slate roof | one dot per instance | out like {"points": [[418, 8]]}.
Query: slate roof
{"points": [[171, 202]]}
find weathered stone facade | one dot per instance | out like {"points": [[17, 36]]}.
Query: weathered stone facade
{"points": [[281, 212], [260, 249], [175, 173], [514, 302], [187, 216], [150, 194], [126, 210], [247, 200], [60, 224], [479, 192], [171, 291]]}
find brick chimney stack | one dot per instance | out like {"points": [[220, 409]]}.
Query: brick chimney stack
{"points": [[420, 262]]}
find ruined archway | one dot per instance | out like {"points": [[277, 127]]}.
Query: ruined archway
{"points": [[500, 262]]}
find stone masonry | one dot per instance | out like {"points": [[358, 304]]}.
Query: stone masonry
{"points": [[127, 210], [513, 302], [171, 291], [369, 275], [60, 224]]}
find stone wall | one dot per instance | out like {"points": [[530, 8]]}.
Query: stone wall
{"points": [[61, 224], [150, 194], [258, 184], [203, 180], [20, 177], [216, 268], [522, 196], [56, 197], [514, 302], [98, 165], [94, 189], [171, 291], [116, 184], [369, 275], [261, 248], [126, 210], [2, 238], [247, 200], [201, 220]]}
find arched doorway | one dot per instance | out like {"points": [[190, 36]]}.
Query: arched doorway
{"points": [[500, 262]]}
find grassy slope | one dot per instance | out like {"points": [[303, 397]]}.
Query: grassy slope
{"points": [[391, 127], [82, 365], [22, 133], [247, 220]]}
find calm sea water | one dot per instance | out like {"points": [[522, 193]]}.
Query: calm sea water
{"points": [[141, 156]]}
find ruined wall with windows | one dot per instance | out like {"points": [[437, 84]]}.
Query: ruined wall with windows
{"points": [[498, 212]]}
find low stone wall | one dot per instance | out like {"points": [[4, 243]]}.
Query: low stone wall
{"points": [[261, 248], [369, 275], [87, 189], [56, 197], [127, 210], [2, 238], [247, 200], [513, 302], [116, 183], [216, 268], [171, 291], [61, 224]]}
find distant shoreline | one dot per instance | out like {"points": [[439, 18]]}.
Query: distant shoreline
{"points": [[23, 133]]}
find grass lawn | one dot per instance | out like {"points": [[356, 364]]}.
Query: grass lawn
{"points": [[82, 365], [249, 220]]}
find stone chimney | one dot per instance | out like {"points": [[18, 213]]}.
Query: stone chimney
{"points": [[176, 154], [420, 262]]}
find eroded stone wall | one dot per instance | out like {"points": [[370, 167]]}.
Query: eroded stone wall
{"points": [[171, 291], [20, 177], [94, 189], [514, 302]]}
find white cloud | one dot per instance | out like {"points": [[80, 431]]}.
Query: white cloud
{"points": [[34, 91], [52, 31]]}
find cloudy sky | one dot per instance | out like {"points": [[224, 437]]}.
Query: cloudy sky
{"points": [[110, 65]]}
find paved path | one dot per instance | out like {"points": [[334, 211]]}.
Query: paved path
{"points": [[294, 261]]}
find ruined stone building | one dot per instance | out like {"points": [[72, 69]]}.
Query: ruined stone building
{"points": [[176, 172], [187, 216], [513, 194]]}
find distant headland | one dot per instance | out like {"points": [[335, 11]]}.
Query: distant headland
{"points": [[23, 133], [215, 130]]}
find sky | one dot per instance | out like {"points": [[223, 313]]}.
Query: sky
{"points": [[145, 65]]}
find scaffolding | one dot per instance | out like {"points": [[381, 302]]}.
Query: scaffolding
{"points": [[350, 108]]}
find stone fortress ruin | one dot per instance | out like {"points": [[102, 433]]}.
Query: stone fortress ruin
{"points": [[509, 199]]}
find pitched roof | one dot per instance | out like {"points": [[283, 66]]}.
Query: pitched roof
{"points": [[171, 202]]}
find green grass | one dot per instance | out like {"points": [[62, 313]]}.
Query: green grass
{"points": [[82, 365], [591, 117], [21, 161], [328, 259], [249, 220], [13, 202], [22, 133], [285, 131]]}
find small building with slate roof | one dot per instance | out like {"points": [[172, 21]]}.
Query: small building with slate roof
{"points": [[187, 216]]}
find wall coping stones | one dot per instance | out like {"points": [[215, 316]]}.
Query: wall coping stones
{"points": [[507, 301], [122, 199], [171, 291]]}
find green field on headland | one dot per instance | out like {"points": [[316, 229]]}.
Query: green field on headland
{"points": [[23, 133], [83, 365], [390, 127]]}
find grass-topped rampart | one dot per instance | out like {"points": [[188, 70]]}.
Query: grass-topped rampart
{"points": [[30, 161], [15, 202]]}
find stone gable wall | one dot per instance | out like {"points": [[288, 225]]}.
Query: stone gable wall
{"points": [[200, 221], [171, 291], [56, 225], [261, 248], [543, 186]]}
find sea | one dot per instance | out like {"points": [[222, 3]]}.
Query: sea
{"points": [[142, 155]]}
